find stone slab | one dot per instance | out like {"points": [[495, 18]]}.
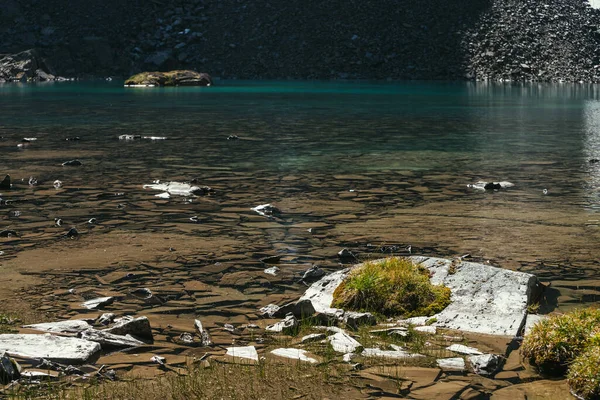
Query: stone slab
{"points": [[70, 326], [65, 350], [295, 354]]}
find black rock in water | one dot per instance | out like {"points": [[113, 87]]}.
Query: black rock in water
{"points": [[8, 233], [72, 163], [72, 233], [492, 186], [5, 184], [594, 161]]}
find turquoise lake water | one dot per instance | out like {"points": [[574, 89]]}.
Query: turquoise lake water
{"points": [[404, 146]]}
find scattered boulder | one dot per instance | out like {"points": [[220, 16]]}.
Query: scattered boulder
{"points": [[397, 353], [269, 310], [71, 233], [271, 271], [451, 364], [67, 350], [177, 189], [106, 319], [354, 320], [346, 254], [159, 360], [171, 78], [271, 259], [24, 66], [267, 210], [312, 273], [486, 364], [137, 327], [288, 325], [295, 354], [343, 343], [301, 308], [10, 370]]}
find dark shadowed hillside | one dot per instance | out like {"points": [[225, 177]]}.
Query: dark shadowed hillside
{"points": [[398, 39]]}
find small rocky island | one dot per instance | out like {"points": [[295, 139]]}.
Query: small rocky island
{"points": [[171, 78]]}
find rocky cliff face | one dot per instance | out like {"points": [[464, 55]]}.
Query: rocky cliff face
{"points": [[399, 39]]}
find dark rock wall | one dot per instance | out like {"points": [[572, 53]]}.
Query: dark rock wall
{"points": [[432, 39]]}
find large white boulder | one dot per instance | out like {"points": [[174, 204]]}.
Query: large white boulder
{"points": [[66, 350], [485, 299], [70, 326]]}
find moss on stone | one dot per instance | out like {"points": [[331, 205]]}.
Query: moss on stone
{"points": [[393, 287]]}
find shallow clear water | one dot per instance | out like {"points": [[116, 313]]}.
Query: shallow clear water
{"points": [[403, 144]]}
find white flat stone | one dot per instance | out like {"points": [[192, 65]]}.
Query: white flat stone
{"points": [[462, 349], [343, 343], [313, 337], [397, 353], [71, 326], [272, 271], [174, 188], [485, 299], [451, 364], [66, 350], [248, 352], [432, 330], [296, 354], [98, 302], [107, 339]]}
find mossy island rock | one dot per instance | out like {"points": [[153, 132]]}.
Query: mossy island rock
{"points": [[171, 78]]}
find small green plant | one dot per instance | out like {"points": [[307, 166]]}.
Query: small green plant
{"points": [[7, 324], [533, 308], [554, 343], [584, 373], [393, 287]]}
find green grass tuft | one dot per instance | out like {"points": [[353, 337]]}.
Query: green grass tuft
{"points": [[554, 343], [584, 373], [393, 287]]}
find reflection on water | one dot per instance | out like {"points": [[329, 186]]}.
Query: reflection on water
{"points": [[401, 148]]}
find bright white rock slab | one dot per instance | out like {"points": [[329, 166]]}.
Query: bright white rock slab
{"points": [[343, 343], [65, 350], [296, 354], [451, 364], [462, 349], [485, 299], [174, 188], [98, 302], [71, 326], [397, 353], [248, 352]]}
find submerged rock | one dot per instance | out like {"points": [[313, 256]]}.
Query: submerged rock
{"points": [[481, 185], [171, 78], [179, 189], [312, 273], [267, 210], [71, 326], [66, 350], [72, 163]]}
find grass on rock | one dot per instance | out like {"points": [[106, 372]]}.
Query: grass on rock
{"points": [[554, 343], [394, 286]]}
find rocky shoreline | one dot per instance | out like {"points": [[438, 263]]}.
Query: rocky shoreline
{"points": [[499, 40]]}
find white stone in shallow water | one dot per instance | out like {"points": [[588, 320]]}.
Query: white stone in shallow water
{"points": [[296, 354], [174, 188], [98, 302], [451, 364], [71, 326], [248, 352], [462, 349], [60, 349], [343, 343], [398, 353]]}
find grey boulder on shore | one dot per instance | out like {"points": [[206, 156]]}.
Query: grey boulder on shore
{"points": [[171, 78]]}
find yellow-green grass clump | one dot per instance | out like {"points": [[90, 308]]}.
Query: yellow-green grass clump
{"points": [[584, 373], [554, 343], [394, 286]]}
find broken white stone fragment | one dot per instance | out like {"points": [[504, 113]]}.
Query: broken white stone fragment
{"points": [[343, 343], [266, 210], [426, 329], [313, 337], [462, 349], [98, 302], [286, 325], [248, 352], [174, 188], [296, 354], [71, 326], [110, 340], [65, 350], [451, 364], [486, 364], [397, 353], [205, 339], [272, 271]]}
